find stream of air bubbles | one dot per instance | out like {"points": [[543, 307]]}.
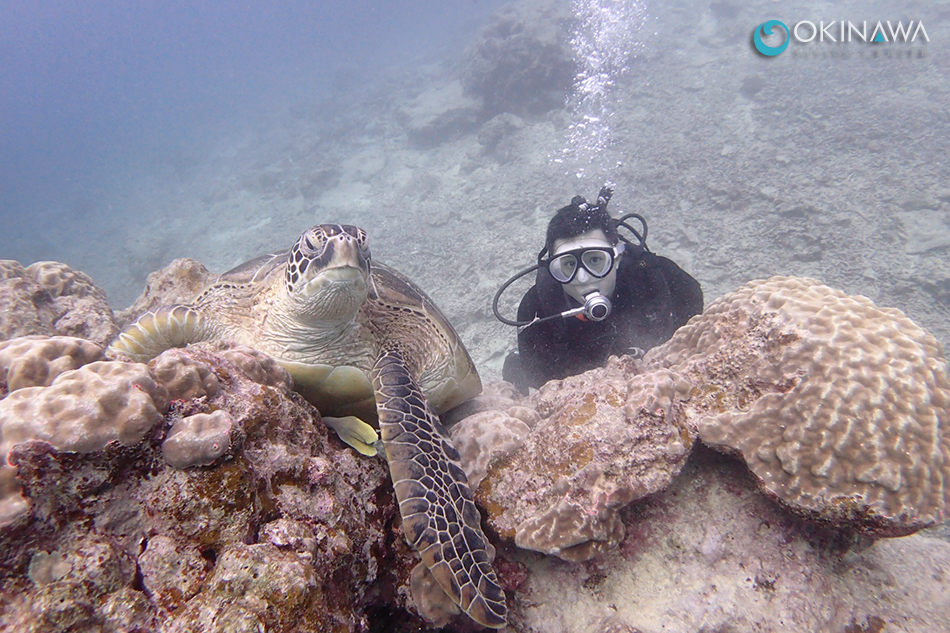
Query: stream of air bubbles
{"points": [[607, 36]]}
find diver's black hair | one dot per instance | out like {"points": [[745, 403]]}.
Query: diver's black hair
{"points": [[580, 217]]}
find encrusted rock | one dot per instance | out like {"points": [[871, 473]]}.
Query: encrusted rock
{"points": [[840, 408], [606, 438], [291, 531], [256, 575], [78, 587], [290, 534], [172, 573]]}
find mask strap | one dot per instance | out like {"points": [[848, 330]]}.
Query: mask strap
{"points": [[544, 251]]}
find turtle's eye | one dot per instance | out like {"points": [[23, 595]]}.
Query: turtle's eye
{"points": [[312, 243]]}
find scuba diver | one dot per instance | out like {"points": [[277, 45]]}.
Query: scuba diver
{"points": [[596, 294]]}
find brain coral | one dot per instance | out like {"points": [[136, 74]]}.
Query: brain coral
{"points": [[480, 436], [839, 408]]}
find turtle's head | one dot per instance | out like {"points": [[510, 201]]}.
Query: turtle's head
{"points": [[328, 272]]}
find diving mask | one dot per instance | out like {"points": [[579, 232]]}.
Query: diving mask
{"points": [[596, 261]]}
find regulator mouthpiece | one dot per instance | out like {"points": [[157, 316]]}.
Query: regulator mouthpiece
{"points": [[596, 306]]}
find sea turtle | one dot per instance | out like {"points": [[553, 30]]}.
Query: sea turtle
{"points": [[363, 344]]}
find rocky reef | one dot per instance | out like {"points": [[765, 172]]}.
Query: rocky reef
{"points": [[216, 503], [739, 477], [521, 63], [834, 416]]}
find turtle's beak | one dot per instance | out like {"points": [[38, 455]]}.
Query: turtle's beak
{"points": [[345, 260], [344, 273]]}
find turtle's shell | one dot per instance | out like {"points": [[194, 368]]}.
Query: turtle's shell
{"points": [[255, 269], [248, 304]]}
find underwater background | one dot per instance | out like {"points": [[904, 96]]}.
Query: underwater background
{"points": [[130, 136], [135, 134]]}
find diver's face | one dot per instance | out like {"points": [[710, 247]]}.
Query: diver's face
{"points": [[583, 282]]}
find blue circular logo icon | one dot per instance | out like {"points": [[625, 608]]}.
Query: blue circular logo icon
{"points": [[766, 29]]}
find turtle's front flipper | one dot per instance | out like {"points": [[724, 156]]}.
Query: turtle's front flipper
{"points": [[154, 332], [354, 432], [439, 517]]}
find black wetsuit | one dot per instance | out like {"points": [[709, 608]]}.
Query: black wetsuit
{"points": [[652, 298]]}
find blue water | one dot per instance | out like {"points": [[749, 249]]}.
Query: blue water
{"points": [[92, 91]]}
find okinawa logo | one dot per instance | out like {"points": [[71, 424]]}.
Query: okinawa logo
{"points": [[837, 31]]}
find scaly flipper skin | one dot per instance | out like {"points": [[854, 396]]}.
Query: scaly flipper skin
{"points": [[155, 332], [439, 517]]}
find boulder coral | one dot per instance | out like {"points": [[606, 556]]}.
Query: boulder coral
{"points": [[198, 440], [839, 408], [35, 361], [81, 411], [179, 282], [50, 298]]}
